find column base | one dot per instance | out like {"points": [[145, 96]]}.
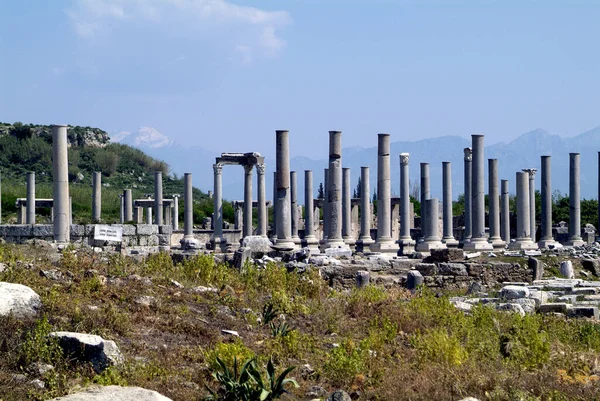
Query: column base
{"points": [[450, 242], [478, 245], [190, 244], [285, 244], [497, 243], [546, 243], [312, 243], [218, 245], [385, 245], [334, 243], [523, 244], [575, 242], [350, 242], [296, 240], [406, 245], [427, 246], [364, 244]]}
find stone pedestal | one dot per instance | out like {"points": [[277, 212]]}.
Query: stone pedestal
{"points": [[60, 177], [309, 240], [448, 237], [546, 239], [432, 241], [523, 241], [406, 243], [364, 240], [30, 214], [494, 205], [384, 242], [478, 240], [574, 202]]}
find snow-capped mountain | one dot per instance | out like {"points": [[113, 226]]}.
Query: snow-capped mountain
{"points": [[144, 137]]}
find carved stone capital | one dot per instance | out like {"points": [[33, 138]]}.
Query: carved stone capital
{"points": [[261, 168], [218, 168], [531, 172], [404, 157], [468, 154], [248, 169]]}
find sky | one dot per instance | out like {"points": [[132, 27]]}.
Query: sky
{"points": [[225, 74]]}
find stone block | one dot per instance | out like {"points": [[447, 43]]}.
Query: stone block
{"points": [[164, 240], [514, 292], [112, 393], [147, 229], [338, 252], [240, 257], [413, 280], [474, 269], [99, 352], [43, 230], [165, 229], [452, 269], [529, 305], [20, 230], [257, 245], [427, 269], [553, 308], [566, 269], [592, 265], [19, 301], [511, 307], [77, 230], [583, 311], [362, 278], [537, 267], [129, 229]]}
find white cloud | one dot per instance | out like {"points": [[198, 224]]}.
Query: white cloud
{"points": [[143, 137], [251, 28]]}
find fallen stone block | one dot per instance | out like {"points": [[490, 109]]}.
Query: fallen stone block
{"points": [[452, 269], [114, 393], [514, 292], [18, 300], [511, 307], [553, 308], [583, 311], [99, 352]]}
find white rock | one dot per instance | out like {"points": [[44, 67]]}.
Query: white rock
{"points": [[514, 292], [566, 269], [90, 348], [462, 306], [528, 304], [18, 300], [516, 308], [257, 244], [114, 393]]}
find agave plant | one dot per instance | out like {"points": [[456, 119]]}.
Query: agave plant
{"points": [[269, 313], [282, 329]]}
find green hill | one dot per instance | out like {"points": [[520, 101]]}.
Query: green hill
{"points": [[28, 147]]}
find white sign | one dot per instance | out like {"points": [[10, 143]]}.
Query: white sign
{"points": [[108, 233]]}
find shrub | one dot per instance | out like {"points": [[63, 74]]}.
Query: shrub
{"points": [[228, 353]]}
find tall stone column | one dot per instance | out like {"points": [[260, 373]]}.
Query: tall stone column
{"points": [[533, 225], [384, 242], [407, 245], [432, 241], [523, 241], [505, 205], [478, 240], [261, 194], [546, 238], [217, 240], [364, 240], [334, 191], [127, 205], [347, 209], [97, 196], [310, 240], [188, 241], [247, 224], [284, 226], [60, 178], [175, 212], [574, 202], [468, 152], [598, 222], [274, 207], [122, 211], [294, 206], [448, 237], [326, 217], [494, 205], [425, 194], [30, 216], [158, 197]]}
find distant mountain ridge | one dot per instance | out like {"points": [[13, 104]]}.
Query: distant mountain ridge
{"points": [[522, 152]]}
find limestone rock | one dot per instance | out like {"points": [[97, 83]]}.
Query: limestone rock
{"points": [[537, 267], [339, 395], [257, 245], [592, 265], [18, 300], [413, 280], [114, 393], [514, 292], [513, 307], [89, 348], [452, 269], [566, 269], [240, 257]]}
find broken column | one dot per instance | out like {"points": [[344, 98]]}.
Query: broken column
{"points": [[149, 215], [523, 241], [432, 241], [468, 193], [448, 237], [478, 239], [30, 214], [406, 243], [546, 238], [175, 211], [364, 240], [494, 205], [310, 240], [574, 202], [334, 191], [347, 209], [138, 211], [127, 205], [532, 224], [505, 206], [188, 241], [247, 223], [261, 193], [60, 177], [294, 206], [217, 241], [384, 242], [158, 197], [284, 227], [425, 194], [96, 196]]}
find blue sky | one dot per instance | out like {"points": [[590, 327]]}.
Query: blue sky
{"points": [[225, 75]]}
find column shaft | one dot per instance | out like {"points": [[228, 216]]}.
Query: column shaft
{"points": [[405, 215], [505, 204], [574, 201], [334, 193], [175, 212], [546, 237], [97, 196], [128, 205], [188, 206], [60, 176], [494, 204], [261, 199], [523, 240], [365, 206], [294, 206], [217, 205], [468, 193], [448, 237], [274, 207], [158, 197], [384, 242], [425, 194], [478, 240], [346, 207], [284, 227], [247, 228], [309, 212], [30, 219]]}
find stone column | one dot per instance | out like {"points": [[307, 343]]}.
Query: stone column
{"points": [[494, 205], [158, 197], [30, 219], [448, 237], [149, 215], [122, 211], [217, 240], [364, 240], [175, 211], [310, 240], [127, 205], [97, 196], [598, 222], [325, 205], [294, 206], [284, 227], [139, 214], [247, 201], [188, 241], [168, 219], [546, 238], [505, 204], [22, 216], [407, 245], [274, 207], [432, 241], [384, 242], [523, 240], [478, 240], [574, 202], [60, 177], [0, 198], [334, 191], [261, 191], [468, 193], [347, 209], [533, 226], [425, 194]]}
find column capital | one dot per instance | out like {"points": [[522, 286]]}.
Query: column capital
{"points": [[248, 168], [218, 168], [404, 157], [468, 154], [261, 168], [531, 172]]}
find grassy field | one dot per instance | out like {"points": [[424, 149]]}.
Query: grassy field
{"points": [[377, 343]]}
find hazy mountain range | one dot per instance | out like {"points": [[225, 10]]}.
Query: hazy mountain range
{"points": [[523, 152]]}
